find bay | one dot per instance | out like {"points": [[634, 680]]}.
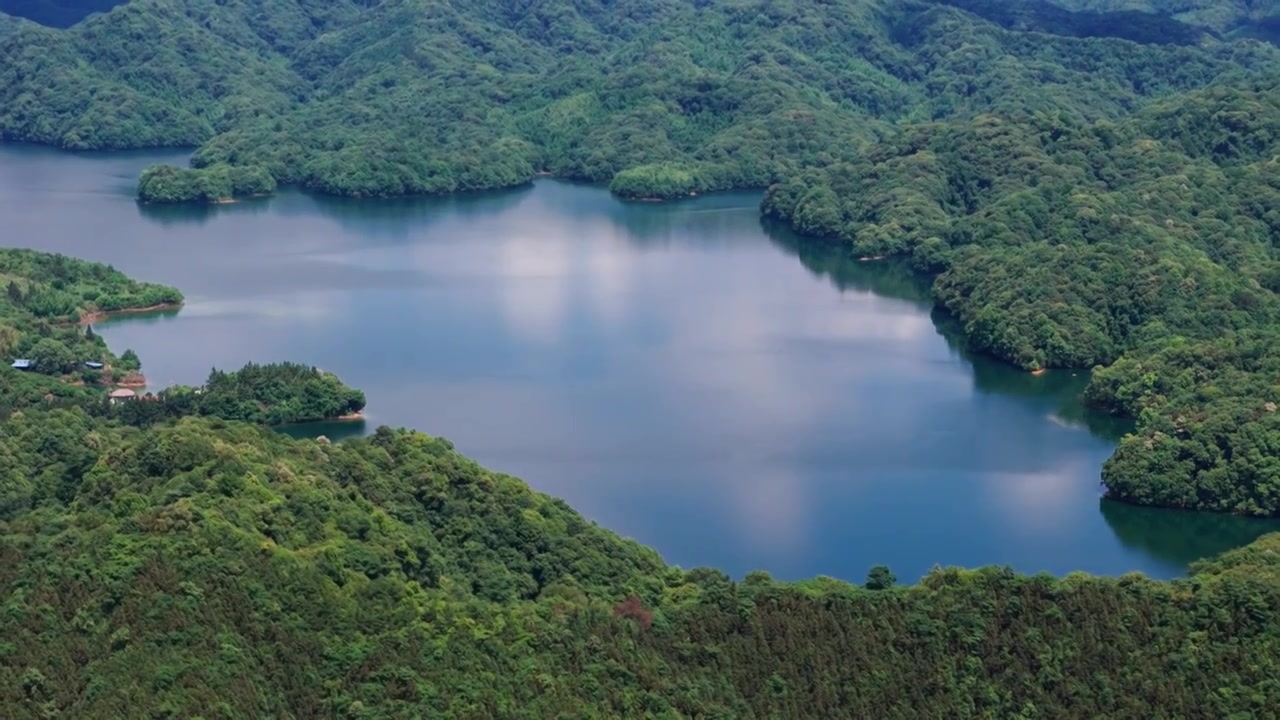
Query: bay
{"points": [[685, 374]]}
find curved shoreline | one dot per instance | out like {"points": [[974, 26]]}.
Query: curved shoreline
{"points": [[95, 316], [348, 417]]}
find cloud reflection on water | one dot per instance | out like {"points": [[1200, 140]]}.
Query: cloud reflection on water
{"points": [[682, 373]]}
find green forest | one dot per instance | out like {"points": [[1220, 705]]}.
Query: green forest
{"points": [[661, 98], [1086, 183], [183, 564], [274, 394], [48, 303], [44, 321]]}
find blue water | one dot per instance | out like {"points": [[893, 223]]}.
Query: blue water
{"points": [[684, 374]]}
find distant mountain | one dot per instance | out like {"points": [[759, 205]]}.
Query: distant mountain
{"points": [[661, 97]]}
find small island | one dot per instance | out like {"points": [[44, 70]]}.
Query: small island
{"points": [[217, 184]]}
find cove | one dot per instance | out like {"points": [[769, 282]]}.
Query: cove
{"points": [[684, 374]]}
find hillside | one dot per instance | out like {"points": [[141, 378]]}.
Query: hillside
{"points": [[661, 97], [200, 567], [220, 570], [1146, 244]]}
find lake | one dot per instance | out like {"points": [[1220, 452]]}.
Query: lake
{"points": [[684, 374]]}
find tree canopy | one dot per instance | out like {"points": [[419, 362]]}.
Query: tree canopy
{"points": [[661, 97], [45, 300]]}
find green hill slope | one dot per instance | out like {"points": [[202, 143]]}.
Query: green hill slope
{"points": [[664, 96], [1146, 244], [224, 571]]}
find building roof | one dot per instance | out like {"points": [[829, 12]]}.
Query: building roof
{"points": [[122, 393], [22, 363], [93, 364]]}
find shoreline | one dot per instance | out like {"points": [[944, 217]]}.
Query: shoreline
{"points": [[90, 318], [655, 198], [349, 417], [203, 201]]}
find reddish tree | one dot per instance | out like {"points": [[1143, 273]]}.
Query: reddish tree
{"points": [[632, 608]]}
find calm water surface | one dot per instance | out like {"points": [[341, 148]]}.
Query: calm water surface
{"points": [[682, 373]]}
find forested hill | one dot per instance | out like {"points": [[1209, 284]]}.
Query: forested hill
{"points": [[219, 570], [661, 97]]}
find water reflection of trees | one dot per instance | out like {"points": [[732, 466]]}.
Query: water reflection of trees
{"points": [[1181, 537], [335, 431], [150, 317], [1059, 391], [886, 278], [721, 217], [405, 216], [171, 214]]}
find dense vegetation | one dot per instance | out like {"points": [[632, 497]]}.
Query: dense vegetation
{"points": [[662, 97], [1147, 244], [45, 299], [41, 313], [216, 184], [272, 394], [217, 569]]}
